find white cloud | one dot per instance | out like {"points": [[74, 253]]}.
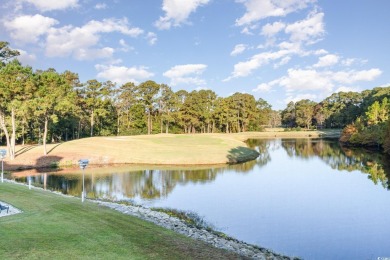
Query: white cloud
{"points": [[351, 61], [245, 68], [78, 41], [347, 89], [92, 54], [238, 49], [246, 30], [309, 30], [270, 30], [320, 52], [201, 88], [26, 58], [259, 9], [327, 60], [112, 25], [122, 74], [152, 38], [299, 97], [49, 5], [320, 82], [177, 12], [125, 46], [263, 87], [298, 80], [349, 77], [186, 74], [27, 28], [348, 62], [293, 47], [100, 6], [284, 61]]}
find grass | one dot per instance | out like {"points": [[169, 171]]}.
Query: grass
{"points": [[53, 226], [161, 149], [192, 219]]}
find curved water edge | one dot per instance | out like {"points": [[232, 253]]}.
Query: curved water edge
{"points": [[179, 226], [189, 149], [296, 196]]}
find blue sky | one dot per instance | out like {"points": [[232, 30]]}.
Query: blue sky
{"points": [[279, 50]]}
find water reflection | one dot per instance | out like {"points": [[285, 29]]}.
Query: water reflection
{"points": [[373, 163], [157, 183], [302, 197]]}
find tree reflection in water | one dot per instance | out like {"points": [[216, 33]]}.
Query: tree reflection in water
{"points": [[158, 183], [373, 163]]}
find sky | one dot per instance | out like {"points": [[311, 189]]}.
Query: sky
{"points": [[278, 50]]}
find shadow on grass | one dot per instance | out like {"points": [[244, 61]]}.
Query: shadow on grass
{"points": [[241, 154], [25, 149], [54, 147], [42, 164]]}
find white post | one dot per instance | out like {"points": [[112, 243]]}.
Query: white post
{"points": [[83, 163], [29, 182], [3, 153], [2, 172], [82, 193]]}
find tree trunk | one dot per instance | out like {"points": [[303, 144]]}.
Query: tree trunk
{"points": [[166, 127], [23, 134], [5, 130], [117, 123], [92, 123], [13, 136], [151, 124], [45, 136], [148, 122], [128, 120], [79, 130]]}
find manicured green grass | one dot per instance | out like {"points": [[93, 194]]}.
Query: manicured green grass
{"points": [[56, 227]]}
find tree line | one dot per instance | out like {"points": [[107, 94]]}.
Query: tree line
{"points": [[40, 106], [335, 111], [363, 116]]}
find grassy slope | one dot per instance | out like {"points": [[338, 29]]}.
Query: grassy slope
{"points": [[52, 226], [154, 149]]}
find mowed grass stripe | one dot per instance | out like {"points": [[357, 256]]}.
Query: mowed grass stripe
{"points": [[57, 227]]}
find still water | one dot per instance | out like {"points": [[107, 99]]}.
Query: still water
{"points": [[301, 197]]}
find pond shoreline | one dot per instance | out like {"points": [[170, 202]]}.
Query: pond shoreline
{"points": [[179, 226], [160, 149]]}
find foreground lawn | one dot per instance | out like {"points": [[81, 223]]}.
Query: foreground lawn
{"points": [[57, 227]]}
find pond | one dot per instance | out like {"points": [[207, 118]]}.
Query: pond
{"points": [[302, 197]]}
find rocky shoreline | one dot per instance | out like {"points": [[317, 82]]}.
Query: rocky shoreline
{"points": [[179, 226], [173, 223]]}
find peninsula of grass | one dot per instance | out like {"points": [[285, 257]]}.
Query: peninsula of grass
{"points": [[57, 227], [160, 149]]}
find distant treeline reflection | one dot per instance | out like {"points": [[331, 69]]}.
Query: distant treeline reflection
{"points": [[373, 163], [158, 183], [147, 184]]}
